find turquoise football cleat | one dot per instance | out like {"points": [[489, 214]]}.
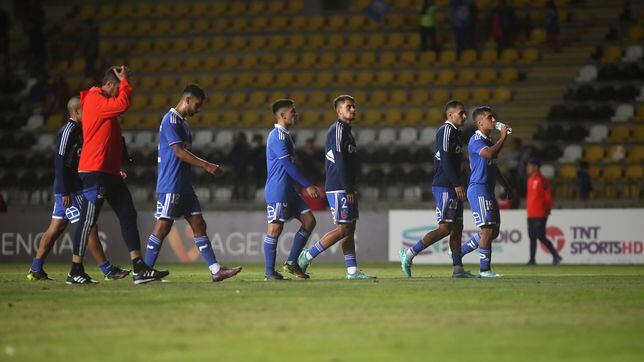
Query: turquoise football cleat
{"points": [[360, 275], [489, 274], [302, 261], [405, 263], [463, 275]]}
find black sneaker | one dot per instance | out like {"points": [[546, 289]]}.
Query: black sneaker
{"points": [[148, 274], [275, 276], [295, 270], [38, 275], [116, 273], [81, 278]]}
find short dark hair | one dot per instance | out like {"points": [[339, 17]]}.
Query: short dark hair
{"points": [[281, 103], [451, 105], [194, 90], [110, 76], [480, 110], [342, 98]]}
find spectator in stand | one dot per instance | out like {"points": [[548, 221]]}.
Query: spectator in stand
{"points": [[310, 161], [428, 26], [584, 183], [464, 13], [239, 157], [538, 205], [39, 90], [552, 25], [503, 25], [55, 99], [377, 10], [258, 160]]}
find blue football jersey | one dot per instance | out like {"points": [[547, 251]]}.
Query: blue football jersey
{"points": [[174, 175], [447, 158], [341, 159], [279, 187], [69, 141], [483, 170]]}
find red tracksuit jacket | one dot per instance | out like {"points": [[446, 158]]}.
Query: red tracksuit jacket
{"points": [[102, 137], [539, 196]]}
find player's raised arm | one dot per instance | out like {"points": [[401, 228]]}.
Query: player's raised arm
{"points": [[117, 89]]}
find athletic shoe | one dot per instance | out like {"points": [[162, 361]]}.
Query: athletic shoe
{"points": [[295, 270], [81, 278], [405, 263], [225, 273], [556, 260], [38, 275], [360, 275], [302, 261], [489, 274], [463, 275], [531, 262], [149, 275], [275, 276], [116, 273]]}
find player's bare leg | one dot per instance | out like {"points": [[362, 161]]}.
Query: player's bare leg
{"points": [[54, 231], [218, 272]]}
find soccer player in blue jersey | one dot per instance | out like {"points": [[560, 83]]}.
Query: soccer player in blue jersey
{"points": [[341, 167], [480, 192], [67, 199], [448, 191], [176, 197], [282, 200]]}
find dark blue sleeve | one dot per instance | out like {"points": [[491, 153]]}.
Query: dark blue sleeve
{"points": [[340, 148], [292, 171], [64, 147], [444, 145]]}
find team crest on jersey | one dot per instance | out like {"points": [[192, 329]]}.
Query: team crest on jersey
{"points": [[352, 149], [344, 214], [458, 149]]}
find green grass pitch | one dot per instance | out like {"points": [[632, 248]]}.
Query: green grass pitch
{"points": [[564, 313]]}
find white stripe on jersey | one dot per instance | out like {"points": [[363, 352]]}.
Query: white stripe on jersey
{"points": [[65, 138], [446, 133], [338, 136], [330, 157]]}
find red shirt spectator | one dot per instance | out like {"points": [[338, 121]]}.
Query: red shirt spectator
{"points": [[539, 195]]}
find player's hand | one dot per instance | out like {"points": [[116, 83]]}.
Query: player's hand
{"points": [[67, 201], [313, 192], [351, 198], [504, 130], [123, 175], [460, 192], [214, 169], [122, 72]]}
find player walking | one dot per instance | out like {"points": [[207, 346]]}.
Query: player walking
{"points": [[448, 191], [480, 192], [99, 169], [67, 199], [176, 197], [341, 167], [282, 200]]}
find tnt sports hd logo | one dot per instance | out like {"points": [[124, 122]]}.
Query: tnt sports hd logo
{"points": [[556, 236]]}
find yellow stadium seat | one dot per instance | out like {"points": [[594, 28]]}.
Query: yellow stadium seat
{"points": [[316, 22], [106, 11], [305, 79], [245, 79], [395, 21], [612, 173], [413, 41], [162, 27], [257, 99], [385, 78], [567, 172], [635, 34], [162, 46], [257, 7], [619, 133], [153, 64], [638, 134], [509, 75], [335, 41], [206, 80], [501, 95], [167, 82], [461, 94], [487, 76], [489, 56], [278, 22], [439, 96], [327, 59], [466, 76], [639, 115], [268, 60], [347, 60], [224, 80], [413, 116], [355, 41], [345, 77], [140, 102], [316, 98], [375, 41], [237, 8], [257, 42], [427, 58], [593, 154], [372, 117], [387, 59], [229, 61], [611, 54], [250, 118], [211, 63], [324, 78], [77, 65], [445, 77], [308, 59], [537, 37], [435, 115], [182, 27], [481, 95], [298, 22], [229, 118], [159, 101], [264, 79], [364, 78], [406, 77], [509, 56], [635, 154], [615, 153], [87, 12], [149, 83], [367, 59], [240, 42], [377, 98], [237, 99], [337, 21], [634, 172], [249, 61], [296, 41], [173, 64], [407, 58], [425, 77], [398, 97], [395, 40], [419, 97], [393, 116], [287, 60], [141, 28], [447, 58], [468, 57], [218, 43]]}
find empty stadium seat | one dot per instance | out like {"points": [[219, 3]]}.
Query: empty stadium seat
{"points": [[623, 113], [593, 154], [597, 133], [571, 153]]}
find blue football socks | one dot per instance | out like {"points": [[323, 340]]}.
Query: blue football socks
{"points": [[471, 245], [36, 264], [486, 258], [152, 251], [299, 241], [105, 267], [270, 251]]}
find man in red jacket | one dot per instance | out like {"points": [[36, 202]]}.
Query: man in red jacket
{"points": [[99, 168], [539, 204]]}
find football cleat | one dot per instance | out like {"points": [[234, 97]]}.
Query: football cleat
{"points": [[116, 273], [302, 261], [82, 278], [149, 275], [295, 270], [275, 276], [38, 275], [489, 274], [556, 260], [463, 275], [405, 263], [360, 275], [225, 273]]}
